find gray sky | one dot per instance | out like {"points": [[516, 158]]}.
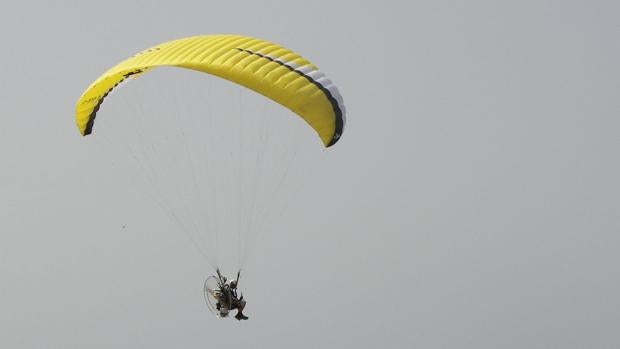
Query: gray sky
{"points": [[473, 200]]}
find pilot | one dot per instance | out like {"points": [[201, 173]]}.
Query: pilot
{"points": [[229, 300]]}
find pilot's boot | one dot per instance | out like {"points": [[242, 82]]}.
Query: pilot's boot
{"points": [[240, 316]]}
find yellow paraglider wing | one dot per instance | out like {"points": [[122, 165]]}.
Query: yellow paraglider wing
{"points": [[269, 69]]}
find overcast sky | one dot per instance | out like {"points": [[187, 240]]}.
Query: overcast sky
{"points": [[473, 201]]}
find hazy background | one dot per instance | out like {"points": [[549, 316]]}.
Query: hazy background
{"points": [[473, 200]]}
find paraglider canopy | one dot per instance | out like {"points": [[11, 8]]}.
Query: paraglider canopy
{"points": [[267, 68]]}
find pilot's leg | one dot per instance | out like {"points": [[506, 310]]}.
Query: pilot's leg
{"points": [[240, 306]]}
